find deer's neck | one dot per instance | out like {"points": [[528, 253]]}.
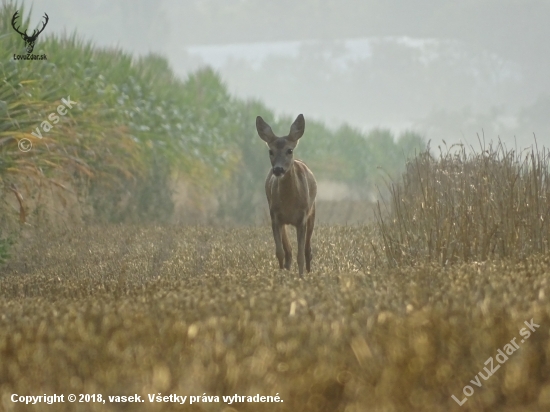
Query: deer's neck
{"points": [[288, 185]]}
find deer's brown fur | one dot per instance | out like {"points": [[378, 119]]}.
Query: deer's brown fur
{"points": [[291, 189]]}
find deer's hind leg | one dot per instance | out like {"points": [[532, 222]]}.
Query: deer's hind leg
{"points": [[287, 248]]}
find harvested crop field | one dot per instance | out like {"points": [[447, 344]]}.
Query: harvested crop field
{"points": [[202, 311], [137, 258]]}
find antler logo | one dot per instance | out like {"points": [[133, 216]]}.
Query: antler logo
{"points": [[29, 40]]}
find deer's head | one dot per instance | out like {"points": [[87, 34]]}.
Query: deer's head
{"points": [[281, 149], [29, 40]]}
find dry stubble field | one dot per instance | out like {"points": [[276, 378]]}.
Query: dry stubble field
{"points": [[123, 310]]}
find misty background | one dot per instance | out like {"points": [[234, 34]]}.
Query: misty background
{"points": [[448, 70]]}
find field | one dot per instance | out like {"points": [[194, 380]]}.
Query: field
{"points": [[128, 272], [124, 310], [441, 303]]}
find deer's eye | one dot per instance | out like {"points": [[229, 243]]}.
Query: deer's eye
{"points": [[289, 151], [271, 152]]}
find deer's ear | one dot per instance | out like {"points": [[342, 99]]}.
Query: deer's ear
{"points": [[264, 130], [297, 128]]}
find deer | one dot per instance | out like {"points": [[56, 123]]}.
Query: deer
{"points": [[29, 40], [290, 188]]}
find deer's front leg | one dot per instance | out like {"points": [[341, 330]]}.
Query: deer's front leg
{"points": [[301, 232], [287, 248], [309, 231], [279, 252]]}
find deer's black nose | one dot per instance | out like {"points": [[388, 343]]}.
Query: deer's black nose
{"points": [[278, 171]]}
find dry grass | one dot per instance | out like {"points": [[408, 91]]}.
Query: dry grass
{"points": [[467, 206], [119, 310]]}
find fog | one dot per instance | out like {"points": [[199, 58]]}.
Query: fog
{"points": [[450, 70]]}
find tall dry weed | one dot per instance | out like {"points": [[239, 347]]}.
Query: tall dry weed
{"points": [[468, 206]]}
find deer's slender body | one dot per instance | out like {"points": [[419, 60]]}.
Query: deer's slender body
{"points": [[290, 188]]}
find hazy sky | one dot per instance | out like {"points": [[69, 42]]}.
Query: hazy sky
{"points": [[446, 68]]}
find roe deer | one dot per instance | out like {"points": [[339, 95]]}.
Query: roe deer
{"points": [[291, 189]]}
